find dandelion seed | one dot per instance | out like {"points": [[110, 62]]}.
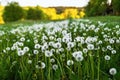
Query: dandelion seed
{"points": [[107, 57], [113, 51], [112, 71], [85, 50], [21, 53], [8, 48], [26, 49], [79, 58], [52, 60], [48, 53], [70, 62], [37, 46], [90, 47], [55, 67], [29, 61], [35, 51], [22, 39]]}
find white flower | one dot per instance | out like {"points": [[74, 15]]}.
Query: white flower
{"points": [[75, 54], [35, 41], [52, 60], [42, 65], [8, 48], [57, 45], [55, 67], [107, 57], [113, 51], [85, 50], [70, 62], [37, 46], [70, 44], [26, 49], [22, 39], [21, 53], [35, 51], [79, 57], [90, 47], [111, 41], [112, 71], [20, 44], [29, 61], [48, 53]]}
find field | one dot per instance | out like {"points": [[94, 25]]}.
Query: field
{"points": [[75, 49]]}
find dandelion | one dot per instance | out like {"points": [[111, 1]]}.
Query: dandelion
{"points": [[90, 47], [107, 57], [42, 65], [37, 46], [55, 67], [29, 61], [48, 53], [112, 71], [79, 58], [35, 51], [22, 39], [26, 49], [85, 50], [113, 51], [70, 44], [8, 48], [70, 62], [21, 53], [57, 45], [52, 60]]}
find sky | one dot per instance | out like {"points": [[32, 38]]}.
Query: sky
{"points": [[49, 3]]}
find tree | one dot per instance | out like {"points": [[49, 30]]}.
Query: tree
{"points": [[96, 7], [12, 12], [35, 14], [116, 6]]}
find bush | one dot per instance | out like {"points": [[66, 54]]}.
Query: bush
{"points": [[35, 14], [13, 12]]}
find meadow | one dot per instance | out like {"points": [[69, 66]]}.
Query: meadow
{"points": [[74, 49]]}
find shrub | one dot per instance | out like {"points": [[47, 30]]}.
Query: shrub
{"points": [[13, 12], [35, 14]]}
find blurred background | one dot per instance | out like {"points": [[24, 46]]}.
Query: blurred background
{"points": [[20, 10]]}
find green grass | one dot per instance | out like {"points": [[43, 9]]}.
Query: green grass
{"points": [[20, 61], [110, 19]]}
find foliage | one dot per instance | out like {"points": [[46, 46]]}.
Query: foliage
{"points": [[12, 12], [116, 6], [35, 14], [96, 8]]}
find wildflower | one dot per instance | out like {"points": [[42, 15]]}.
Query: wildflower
{"points": [[52, 60], [70, 44], [29, 61], [26, 49], [112, 71], [70, 62], [113, 51], [55, 67], [85, 50], [90, 47], [79, 57], [37, 46], [107, 57], [48, 53], [8, 48], [57, 45], [22, 39], [21, 53], [35, 51]]}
